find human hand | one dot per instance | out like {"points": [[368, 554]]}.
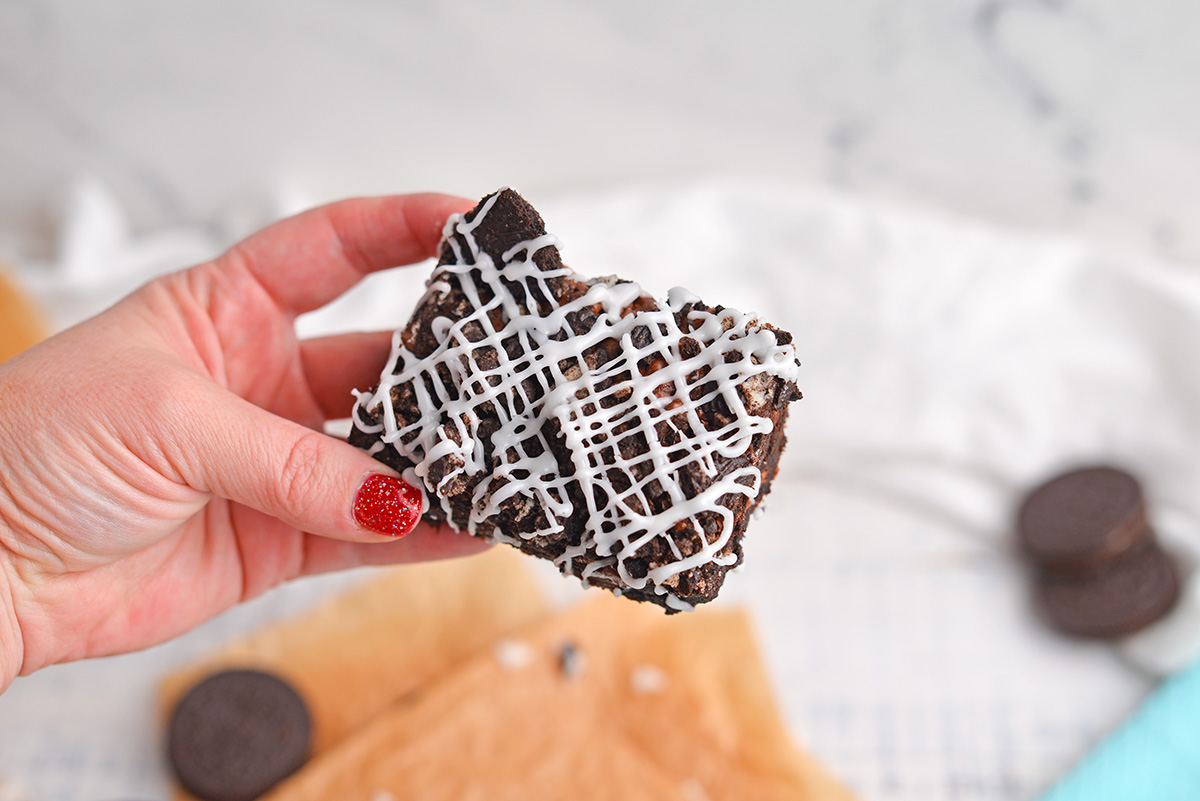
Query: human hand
{"points": [[164, 460]]}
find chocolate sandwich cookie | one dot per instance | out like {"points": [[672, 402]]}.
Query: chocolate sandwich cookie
{"points": [[1082, 520], [1125, 597], [236, 734]]}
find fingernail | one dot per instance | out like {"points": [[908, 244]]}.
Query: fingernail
{"points": [[387, 505]]}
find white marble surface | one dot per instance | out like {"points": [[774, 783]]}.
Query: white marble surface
{"points": [[1049, 113]]}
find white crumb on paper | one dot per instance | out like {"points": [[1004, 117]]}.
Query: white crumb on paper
{"points": [[513, 654], [647, 680]]}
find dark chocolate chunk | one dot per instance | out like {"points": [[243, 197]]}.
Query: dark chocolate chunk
{"points": [[236, 734], [1084, 519], [1126, 596]]}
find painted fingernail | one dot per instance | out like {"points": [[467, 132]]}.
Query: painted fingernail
{"points": [[387, 505]]}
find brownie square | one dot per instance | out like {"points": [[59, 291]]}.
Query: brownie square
{"points": [[581, 420]]}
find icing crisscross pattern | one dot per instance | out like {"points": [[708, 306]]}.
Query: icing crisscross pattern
{"points": [[629, 395]]}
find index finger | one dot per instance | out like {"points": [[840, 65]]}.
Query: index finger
{"points": [[306, 261]]}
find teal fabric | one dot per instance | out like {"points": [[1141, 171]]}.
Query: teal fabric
{"points": [[1154, 756]]}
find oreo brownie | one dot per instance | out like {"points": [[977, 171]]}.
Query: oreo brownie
{"points": [[581, 420]]}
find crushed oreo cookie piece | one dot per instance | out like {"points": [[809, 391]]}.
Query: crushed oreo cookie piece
{"points": [[572, 661]]}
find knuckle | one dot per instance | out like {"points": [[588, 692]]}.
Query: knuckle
{"points": [[303, 470]]}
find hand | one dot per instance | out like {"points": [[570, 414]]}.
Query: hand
{"points": [[164, 460]]}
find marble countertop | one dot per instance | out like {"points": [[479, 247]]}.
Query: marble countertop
{"points": [[1045, 113]]}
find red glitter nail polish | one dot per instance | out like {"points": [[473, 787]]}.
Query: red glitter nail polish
{"points": [[387, 505]]}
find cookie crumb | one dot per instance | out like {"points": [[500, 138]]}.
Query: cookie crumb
{"points": [[647, 680], [513, 654], [571, 660]]}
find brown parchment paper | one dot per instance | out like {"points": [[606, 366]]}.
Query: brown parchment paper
{"points": [[21, 325], [506, 728], [355, 654]]}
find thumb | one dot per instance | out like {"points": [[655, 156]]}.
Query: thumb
{"points": [[303, 477]]}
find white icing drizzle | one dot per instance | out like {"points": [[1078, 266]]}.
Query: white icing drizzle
{"points": [[588, 404]]}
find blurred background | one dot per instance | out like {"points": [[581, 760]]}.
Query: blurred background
{"points": [[1047, 113], [979, 218]]}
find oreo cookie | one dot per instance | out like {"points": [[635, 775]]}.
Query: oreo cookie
{"points": [[1099, 571], [238, 733], [1084, 519], [1120, 600]]}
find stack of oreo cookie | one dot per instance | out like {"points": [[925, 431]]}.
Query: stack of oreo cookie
{"points": [[1099, 570]]}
